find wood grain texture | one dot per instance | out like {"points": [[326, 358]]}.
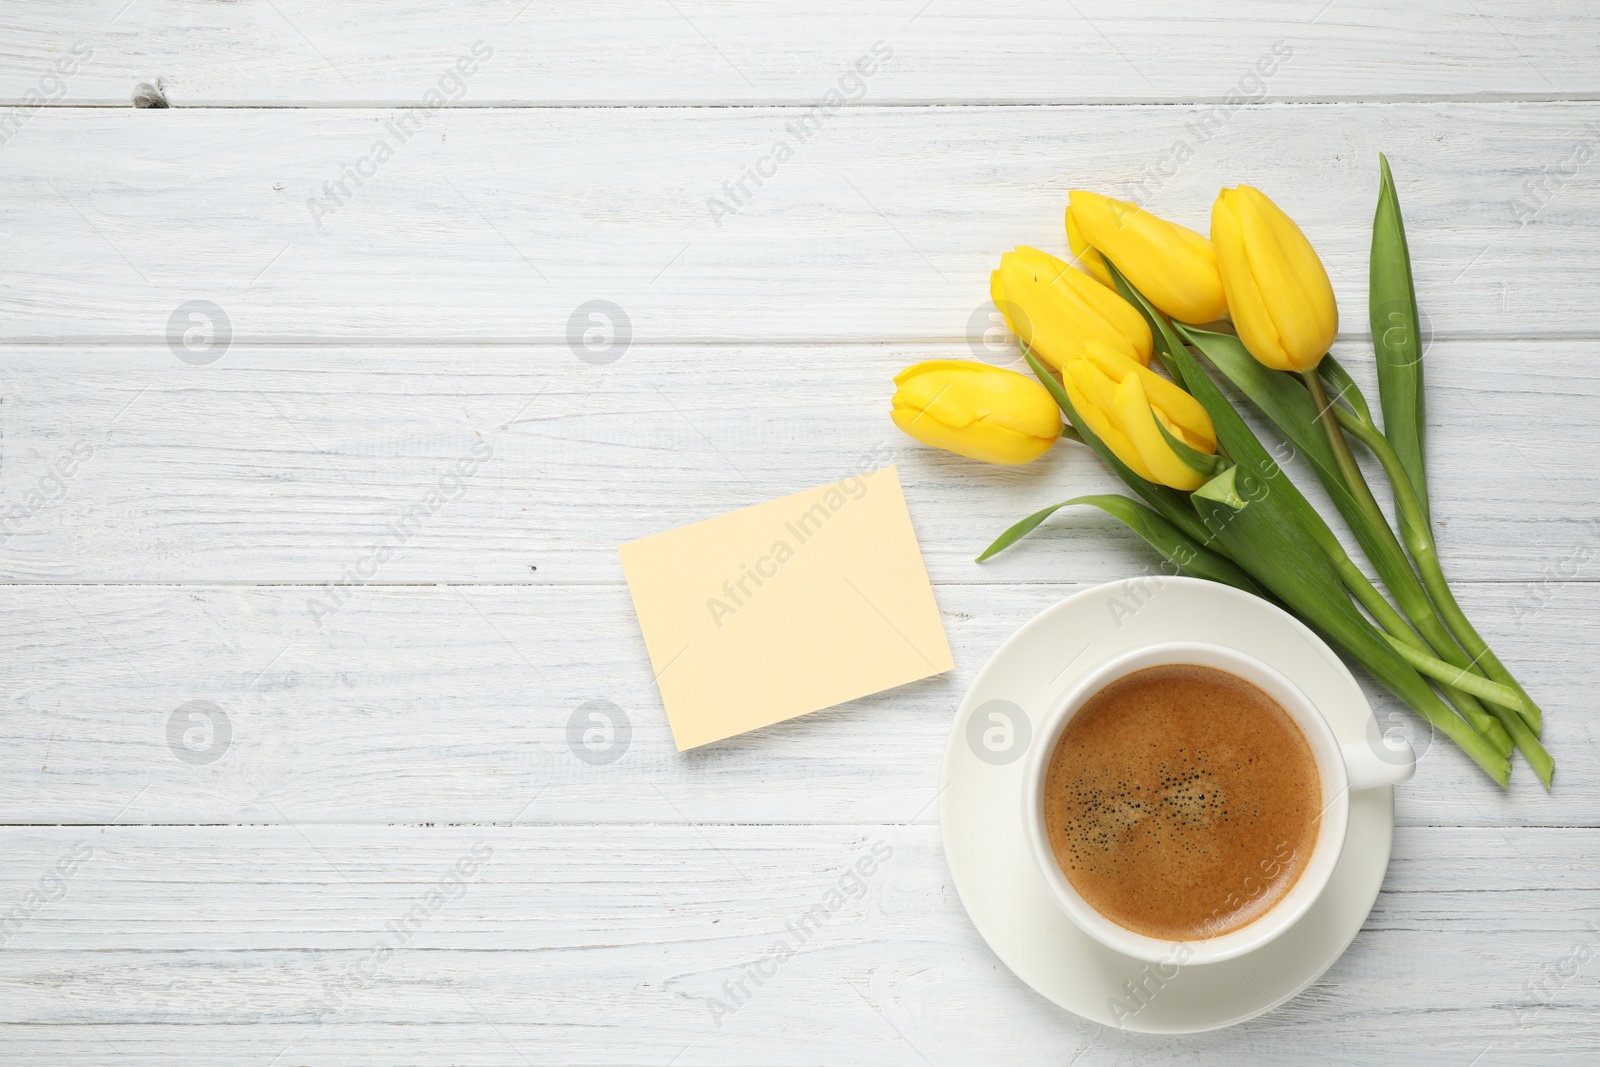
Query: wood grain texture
{"points": [[446, 705], [164, 526], [497, 226], [577, 945], [291, 464], [299, 53]]}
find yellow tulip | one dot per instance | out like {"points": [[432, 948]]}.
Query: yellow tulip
{"points": [[1182, 413], [1123, 402], [1093, 395], [1171, 265], [1055, 310], [975, 410], [1278, 291], [1091, 260], [1138, 421]]}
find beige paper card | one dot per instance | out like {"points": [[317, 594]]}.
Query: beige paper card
{"points": [[785, 608]]}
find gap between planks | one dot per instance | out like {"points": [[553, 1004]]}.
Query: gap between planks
{"points": [[1314, 100], [604, 583], [463, 341]]}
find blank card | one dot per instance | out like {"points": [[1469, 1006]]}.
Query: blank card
{"points": [[785, 608]]}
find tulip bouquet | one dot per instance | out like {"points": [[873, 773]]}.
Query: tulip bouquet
{"points": [[1134, 349]]}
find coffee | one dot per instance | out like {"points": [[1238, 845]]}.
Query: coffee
{"points": [[1182, 802]]}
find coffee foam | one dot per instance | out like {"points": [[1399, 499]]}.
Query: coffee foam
{"points": [[1182, 802]]}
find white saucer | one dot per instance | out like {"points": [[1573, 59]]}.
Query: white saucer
{"points": [[980, 809]]}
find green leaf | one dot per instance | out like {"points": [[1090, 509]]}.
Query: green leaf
{"points": [[1397, 334], [1280, 557], [1186, 556], [1167, 343], [1020, 530], [1269, 487], [1286, 545], [1264, 480], [1171, 504], [1270, 541], [1282, 398], [1183, 552], [1345, 387], [1223, 490], [1206, 463], [1278, 394]]}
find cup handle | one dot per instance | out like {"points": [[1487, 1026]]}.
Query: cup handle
{"points": [[1381, 761]]}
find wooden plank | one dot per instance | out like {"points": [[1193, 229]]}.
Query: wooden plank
{"points": [[165, 525], [581, 944], [471, 704], [296, 52], [292, 464], [881, 224]]}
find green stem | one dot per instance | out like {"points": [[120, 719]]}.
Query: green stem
{"points": [[1502, 696], [1426, 702], [1394, 623], [1528, 742], [1400, 632], [1420, 540], [1353, 478], [1403, 580]]}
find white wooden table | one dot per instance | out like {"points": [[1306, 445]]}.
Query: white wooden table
{"points": [[373, 839]]}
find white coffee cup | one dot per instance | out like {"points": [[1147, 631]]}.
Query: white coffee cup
{"points": [[1341, 769]]}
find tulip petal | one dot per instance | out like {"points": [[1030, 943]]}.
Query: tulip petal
{"points": [[976, 440], [1054, 308], [1171, 264], [1290, 277], [1123, 326], [1092, 261], [1171, 504], [1179, 407], [1096, 384], [976, 410], [1250, 316], [1134, 417], [1085, 391], [1032, 312], [997, 292]]}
